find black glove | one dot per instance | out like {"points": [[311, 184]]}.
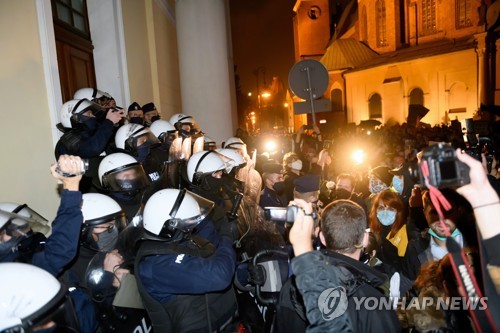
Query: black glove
{"points": [[229, 228], [256, 275]]}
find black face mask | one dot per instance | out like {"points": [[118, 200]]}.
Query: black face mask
{"points": [[89, 122], [212, 184], [279, 187], [136, 120], [343, 194], [154, 118]]}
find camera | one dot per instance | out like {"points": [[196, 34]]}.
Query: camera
{"points": [[478, 146], [445, 170], [281, 214], [84, 166]]}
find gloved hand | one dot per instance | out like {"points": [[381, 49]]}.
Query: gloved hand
{"points": [[256, 275], [229, 228]]}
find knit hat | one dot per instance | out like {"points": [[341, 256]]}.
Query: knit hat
{"points": [[382, 173]]}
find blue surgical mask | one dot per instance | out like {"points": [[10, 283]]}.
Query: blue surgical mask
{"points": [[376, 186], [454, 234], [386, 217], [397, 183]]}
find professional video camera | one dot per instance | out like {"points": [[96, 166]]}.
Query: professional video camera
{"points": [[445, 170]]}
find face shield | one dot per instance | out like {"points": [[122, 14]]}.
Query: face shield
{"points": [[129, 178], [18, 225], [168, 137], [83, 106], [184, 208], [101, 234], [188, 127], [142, 140], [25, 307]]}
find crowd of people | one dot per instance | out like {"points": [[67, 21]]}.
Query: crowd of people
{"points": [[161, 229]]}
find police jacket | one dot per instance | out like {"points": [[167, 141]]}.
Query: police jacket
{"points": [[269, 198], [56, 251], [194, 291], [329, 269], [84, 142]]}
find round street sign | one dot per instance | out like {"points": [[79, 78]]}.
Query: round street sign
{"points": [[308, 79]]}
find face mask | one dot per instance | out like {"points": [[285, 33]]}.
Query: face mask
{"points": [[455, 233], [154, 118], [128, 185], [376, 186], [89, 122], [386, 217], [397, 183], [136, 120], [106, 240], [124, 196], [8, 246], [142, 152], [343, 194], [297, 165], [279, 187], [213, 184]]}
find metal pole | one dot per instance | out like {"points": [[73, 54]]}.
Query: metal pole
{"points": [[311, 100]]}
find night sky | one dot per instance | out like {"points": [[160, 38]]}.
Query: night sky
{"points": [[262, 35]]}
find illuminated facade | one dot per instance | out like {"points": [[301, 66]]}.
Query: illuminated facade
{"points": [[438, 54]]}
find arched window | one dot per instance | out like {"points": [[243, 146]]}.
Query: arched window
{"points": [[429, 24], [463, 13], [457, 97], [380, 23], [364, 27], [417, 96], [336, 100], [375, 106]]}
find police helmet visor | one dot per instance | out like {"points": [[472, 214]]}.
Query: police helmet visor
{"points": [[56, 316], [189, 223], [128, 178], [21, 220]]}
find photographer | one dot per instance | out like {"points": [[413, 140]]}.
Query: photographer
{"points": [[343, 232], [486, 206]]}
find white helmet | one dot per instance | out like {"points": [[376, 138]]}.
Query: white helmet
{"points": [[209, 143], [239, 161], [170, 210], [71, 111], [130, 136], [186, 125], [24, 304], [98, 209], [205, 163], [162, 129], [90, 94], [236, 143], [17, 220], [120, 172]]}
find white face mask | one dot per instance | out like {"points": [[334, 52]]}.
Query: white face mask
{"points": [[297, 165]]}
